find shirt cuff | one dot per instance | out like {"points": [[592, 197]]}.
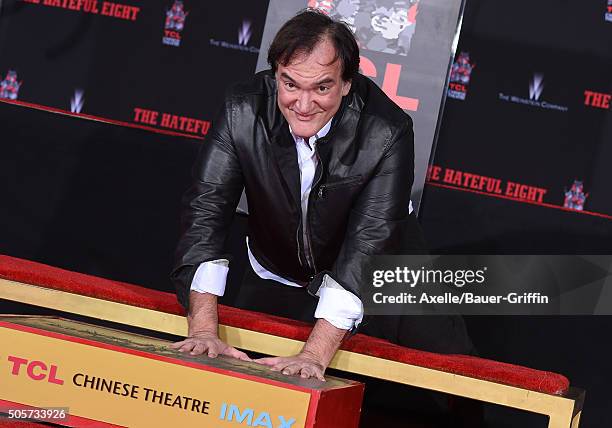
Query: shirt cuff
{"points": [[211, 277], [339, 307]]}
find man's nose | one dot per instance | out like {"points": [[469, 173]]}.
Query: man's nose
{"points": [[304, 102]]}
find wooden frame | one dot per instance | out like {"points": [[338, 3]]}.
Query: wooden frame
{"points": [[562, 411]]}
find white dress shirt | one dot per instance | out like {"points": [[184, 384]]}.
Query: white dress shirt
{"points": [[339, 307]]}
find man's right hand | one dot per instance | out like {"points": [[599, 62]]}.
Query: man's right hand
{"points": [[202, 336], [208, 343]]}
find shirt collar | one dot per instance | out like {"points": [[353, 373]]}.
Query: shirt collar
{"points": [[320, 134]]}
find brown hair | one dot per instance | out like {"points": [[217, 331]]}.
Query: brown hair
{"points": [[304, 31]]}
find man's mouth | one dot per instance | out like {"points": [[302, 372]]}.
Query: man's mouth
{"points": [[304, 117]]}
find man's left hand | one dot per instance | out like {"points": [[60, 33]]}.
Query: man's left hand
{"points": [[316, 355], [303, 364]]}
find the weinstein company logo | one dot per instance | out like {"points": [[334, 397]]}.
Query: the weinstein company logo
{"points": [[536, 86], [174, 24], [461, 72], [609, 11], [244, 35], [77, 101]]}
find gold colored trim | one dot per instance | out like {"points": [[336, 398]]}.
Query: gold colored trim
{"points": [[92, 307], [564, 412]]}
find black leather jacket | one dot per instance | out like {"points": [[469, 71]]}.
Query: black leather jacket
{"points": [[358, 205]]}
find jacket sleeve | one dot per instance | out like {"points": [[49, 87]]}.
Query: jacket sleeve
{"points": [[380, 221], [209, 204]]}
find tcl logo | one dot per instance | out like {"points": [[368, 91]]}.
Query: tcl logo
{"points": [[390, 82], [172, 34], [34, 369]]}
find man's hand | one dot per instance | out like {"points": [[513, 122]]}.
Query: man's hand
{"points": [[318, 351], [209, 343], [203, 323], [303, 364]]}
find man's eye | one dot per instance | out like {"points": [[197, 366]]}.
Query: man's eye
{"points": [[323, 89], [289, 85]]}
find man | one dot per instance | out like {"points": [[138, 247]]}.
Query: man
{"points": [[327, 162]]}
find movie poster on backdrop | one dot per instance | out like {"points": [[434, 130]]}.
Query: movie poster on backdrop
{"points": [[406, 47]]}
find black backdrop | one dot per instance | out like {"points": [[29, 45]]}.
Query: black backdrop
{"points": [[121, 65], [570, 44], [104, 199]]}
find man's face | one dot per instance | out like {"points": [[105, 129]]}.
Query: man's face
{"points": [[310, 89]]}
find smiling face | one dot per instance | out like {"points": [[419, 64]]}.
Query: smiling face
{"points": [[310, 89]]}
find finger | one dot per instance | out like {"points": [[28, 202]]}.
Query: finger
{"points": [[245, 358], [233, 352], [306, 372], [319, 375], [188, 346], [198, 349], [268, 361], [176, 345], [291, 369], [280, 366]]}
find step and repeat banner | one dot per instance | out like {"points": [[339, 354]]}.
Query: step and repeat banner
{"points": [[163, 65], [527, 119], [158, 64], [107, 196], [524, 135], [103, 108]]}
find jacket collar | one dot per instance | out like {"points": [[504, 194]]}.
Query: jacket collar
{"points": [[285, 155], [318, 135]]}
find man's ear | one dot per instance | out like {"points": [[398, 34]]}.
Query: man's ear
{"points": [[346, 87]]}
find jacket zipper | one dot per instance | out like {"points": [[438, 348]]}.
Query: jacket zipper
{"points": [[324, 187], [297, 241]]}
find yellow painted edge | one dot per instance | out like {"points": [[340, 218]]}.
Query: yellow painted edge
{"points": [[351, 362], [576, 420], [92, 307]]}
